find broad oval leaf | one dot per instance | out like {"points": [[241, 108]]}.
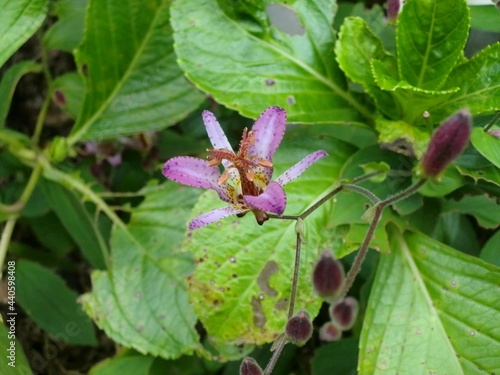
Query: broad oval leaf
{"points": [[487, 145], [241, 287], [133, 83], [431, 35], [432, 310], [52, 305], [479, 83], [18, 22], [67, 32], [356, 48], [251, 68], [141, 302]]}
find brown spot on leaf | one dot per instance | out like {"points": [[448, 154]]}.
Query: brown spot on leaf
{"points": [[259, 319], [269, 269]]}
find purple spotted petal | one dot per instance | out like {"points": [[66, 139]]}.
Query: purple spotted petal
{"points": [[269, 130], [196, 173], [293, 172], [215, 132], [272, 200], [213, 216]]}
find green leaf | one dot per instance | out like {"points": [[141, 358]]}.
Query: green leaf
{"points": [[241, 285], [18, 365], [409, 205], [431, 35], [413, 100], [132, 365], [491, 250], [377, 167], [431, 310], [448, 181], [18, 22], [67, 32], [356, 48], [141, 301], [133, 83], [9, 82], [479, 84], [50, 232], [249, 71], [485, 210], [490, 174], [76, 219], [487, 145], [339, 357], [456, 230], [485, 18], [401, 135], [72, 87], [52, 305]]}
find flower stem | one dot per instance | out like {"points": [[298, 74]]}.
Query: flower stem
{"points": [[5, 240], [358, 189], [379, 207], [19, 206], [360, 257], [275, 356], [492, 122]]}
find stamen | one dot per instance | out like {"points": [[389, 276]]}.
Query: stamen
{"points": [[250, 175], [265, 163], [215, 161], [223, 178], [251, 138]]}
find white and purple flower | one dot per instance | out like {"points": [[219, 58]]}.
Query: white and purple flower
{"points": [[249, 170]]}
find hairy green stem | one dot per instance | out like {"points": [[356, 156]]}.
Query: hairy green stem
{"points": [[19, 205], [358, 189], [275, 356], [65, 179], [5, 240], [379, 207], [40, 121]]}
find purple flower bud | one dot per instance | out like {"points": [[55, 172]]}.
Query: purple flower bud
{"points": [[330, 332], [328, 275], [299, 328], [495, 133], [447, 142], [344, 312], [393, 8], [250, 367]]}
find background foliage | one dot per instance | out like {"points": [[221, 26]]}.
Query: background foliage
{"points": [[97, 95]]}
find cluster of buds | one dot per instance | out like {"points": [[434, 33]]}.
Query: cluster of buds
{"points": [[328, 278]]}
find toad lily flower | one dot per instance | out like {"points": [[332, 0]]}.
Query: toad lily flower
{"points": [[248, 171]]}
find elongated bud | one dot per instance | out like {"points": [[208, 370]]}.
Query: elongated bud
{"points": [[495, 133], [330, 332], [299, 328], [249, 366], [393, 8], [344, 312], [328, 276], [447, 142]]}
